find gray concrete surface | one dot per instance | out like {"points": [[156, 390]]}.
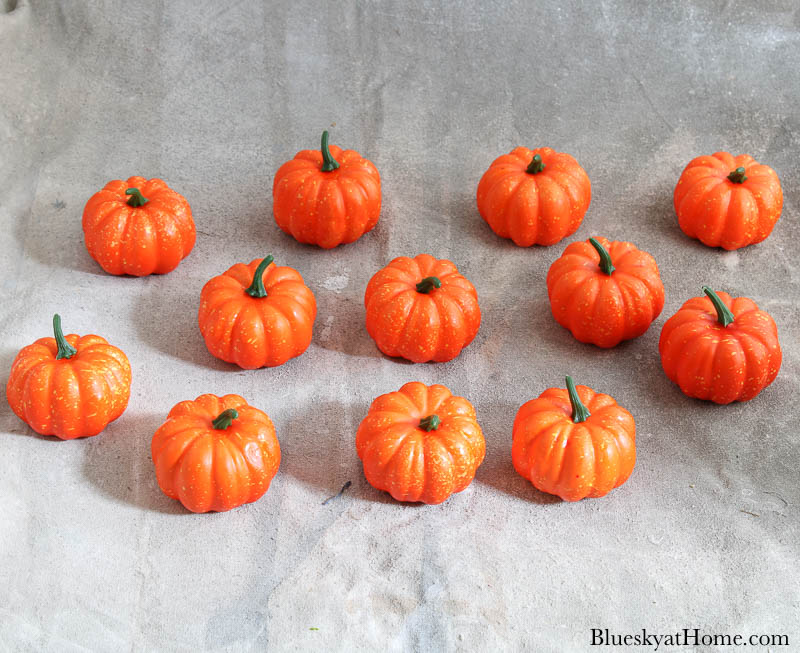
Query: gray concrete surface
{"points": [[213, 97]]}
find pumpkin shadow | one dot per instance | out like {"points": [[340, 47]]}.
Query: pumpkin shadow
{"points": [[662, 222], [175, 331], [10, 424], [340, 326], [318, 449], [497, 470], [118, 464], [35, 236]]}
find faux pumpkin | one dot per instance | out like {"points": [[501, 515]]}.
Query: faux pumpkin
{"points": [[720, 348], [257, 314], [574, 443], [138, 227], [534, 197], [605, 292], [69, 386], [327, 197], [420, 443], [215, 453], [421, 309], [727, 201]]}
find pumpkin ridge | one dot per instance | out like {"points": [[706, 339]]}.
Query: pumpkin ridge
{"points": [[296, 214], [225, 340], [188, 433], [497, 218], [554, 457]]}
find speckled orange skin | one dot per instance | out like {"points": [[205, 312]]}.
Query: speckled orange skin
{"points": [[605, 309], [149, 239], [327, 208], [71, 397], [721, 213], [534, 209], [257, 332], [716, 363], [413, 464], [209, 469], [574, 461], [421, 327]]}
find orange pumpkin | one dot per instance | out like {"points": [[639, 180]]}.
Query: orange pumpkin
{"points": [[726, 201], [138, 227], [327, 197], [69, 386], [720, 348], [534, 197], [605, 292], [215, 453], [421, 309], [575, 443], [420, 443], [257, 315]]}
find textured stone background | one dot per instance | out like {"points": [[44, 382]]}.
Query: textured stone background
{"points": [[213, 96]]}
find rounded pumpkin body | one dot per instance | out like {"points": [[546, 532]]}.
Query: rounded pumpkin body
{"points": [[327, 207], [728, 201], [210, 461], [720, 363], [569, 459], [421, 309], [605, 307], [69, 397], [126, 236], [420, 443], [257, 331], [534, 197]]}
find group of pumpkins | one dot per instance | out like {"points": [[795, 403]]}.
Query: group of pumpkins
{"points": [[420, 443]]}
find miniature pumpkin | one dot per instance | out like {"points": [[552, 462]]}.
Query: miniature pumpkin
{"points": [[138, 227], [215, 453], [327, 197], [720, 348], [421, 309], [534, 197], [69, 386], [575, 443], [257, 315], [420, 443], [726, 201], [605, 292]]}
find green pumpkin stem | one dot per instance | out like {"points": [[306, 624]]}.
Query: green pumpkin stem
{"points": [[256, 288], [535, 165], [737, 176], [724, 315], [65, 350], [430, 423], [225, 419], [428, 284], [580, 413], [328, 162], [137, 199], [605, 258]]}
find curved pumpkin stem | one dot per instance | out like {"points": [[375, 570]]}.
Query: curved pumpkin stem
{"points": [[225, 419], [580, 413], [535, 165], [737, 176], [428, 284], [605, 258], [724, 314], [256, 288], [430, 423], [65, 350], [328, 162], [137, 199]]}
